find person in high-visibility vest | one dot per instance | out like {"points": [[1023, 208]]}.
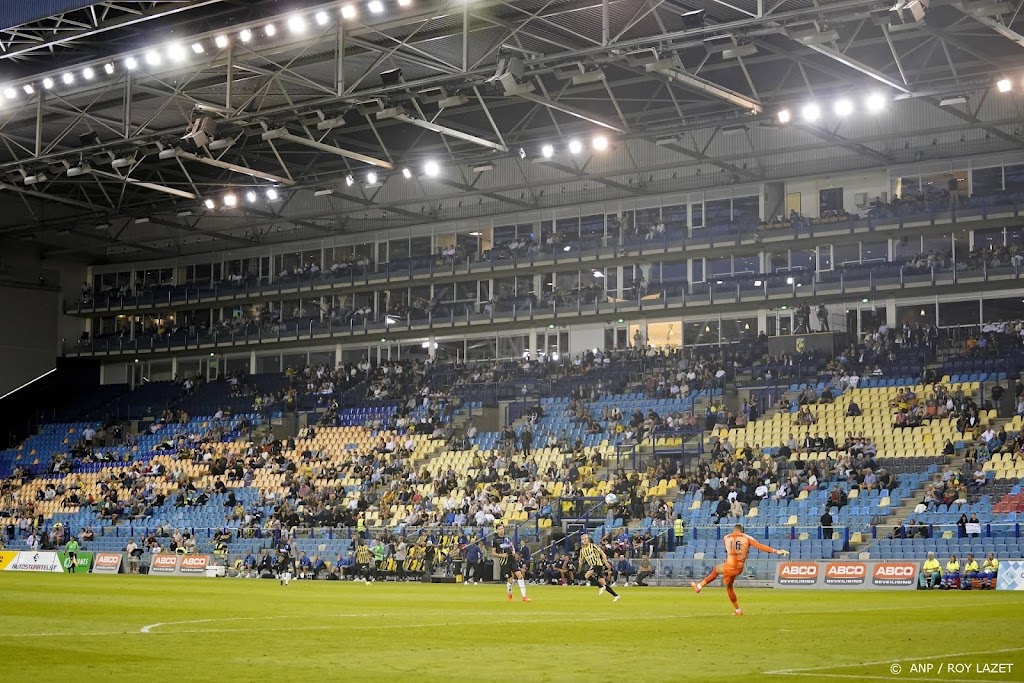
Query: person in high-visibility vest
{"points": [[931, 571], [678, 528], [951, 579], [989, 572], [970, 571]]}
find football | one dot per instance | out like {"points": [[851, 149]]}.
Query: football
{"points": [[611, 499]]}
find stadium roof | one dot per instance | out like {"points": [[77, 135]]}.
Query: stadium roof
{"points": [[451, 105]]}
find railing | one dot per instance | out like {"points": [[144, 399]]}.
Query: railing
{"points": [[263, 537], [577, 250], [936, 531], [728, 293]]}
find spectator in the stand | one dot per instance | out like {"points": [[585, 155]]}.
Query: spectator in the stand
{"points": [[721, 509], [826, 524], [853, 410], [997, 395], [526, 440], [822, 318]]}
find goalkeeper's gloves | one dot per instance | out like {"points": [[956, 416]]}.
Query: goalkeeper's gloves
{"points": [[783, 552]]}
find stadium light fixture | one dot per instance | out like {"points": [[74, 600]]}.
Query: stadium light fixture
{"points": [[547, 151], [599, 143], [371, 178], [575, 146], [245, 36], [270, 30], [431, 168], [272, 194], [230, 200], [296, 24], [221, 41], [406, 173], [210, 204], [811, 112], [1004, 85], [48, 83], [875, 102], [131, 63], [322, 18], [68, 78], [10, 93], [251, 196], [176, 52], [785, 116], [109, 68], [404, 3], [88, 73], [843, 107], [29, 90], [349, 180], [375, 6], [153, 58], [198, 48], [348, 12]]}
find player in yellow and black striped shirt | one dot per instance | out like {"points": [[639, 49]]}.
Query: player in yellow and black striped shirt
{"points": [[364, 561], [595, 561]]}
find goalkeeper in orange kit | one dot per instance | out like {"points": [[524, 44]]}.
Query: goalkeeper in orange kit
{"points": [[737, 545]]}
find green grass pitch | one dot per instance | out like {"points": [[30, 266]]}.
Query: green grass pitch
{"points": [[134, 628]]}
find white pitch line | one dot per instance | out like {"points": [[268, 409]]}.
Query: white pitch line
{"points": [[950, 655], [892, 677], [150, 627], [370, 627]]}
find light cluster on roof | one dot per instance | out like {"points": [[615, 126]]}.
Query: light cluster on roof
{"points": [[431, 168], [810, 112], [873, 103], [178, 53]]}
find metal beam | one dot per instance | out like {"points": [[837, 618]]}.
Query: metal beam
{"points": [[996, 26], [283, 134], [858, 66], [196, 231], [141, 183], [708, 88], [226, 165], [450, 132], [572, 111], [607, 182], [519, 203], [64, 36], [50, 197]]}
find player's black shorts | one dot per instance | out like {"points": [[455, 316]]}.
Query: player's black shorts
{"points": [[73, 556], [509, 568], [597, 569]]}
